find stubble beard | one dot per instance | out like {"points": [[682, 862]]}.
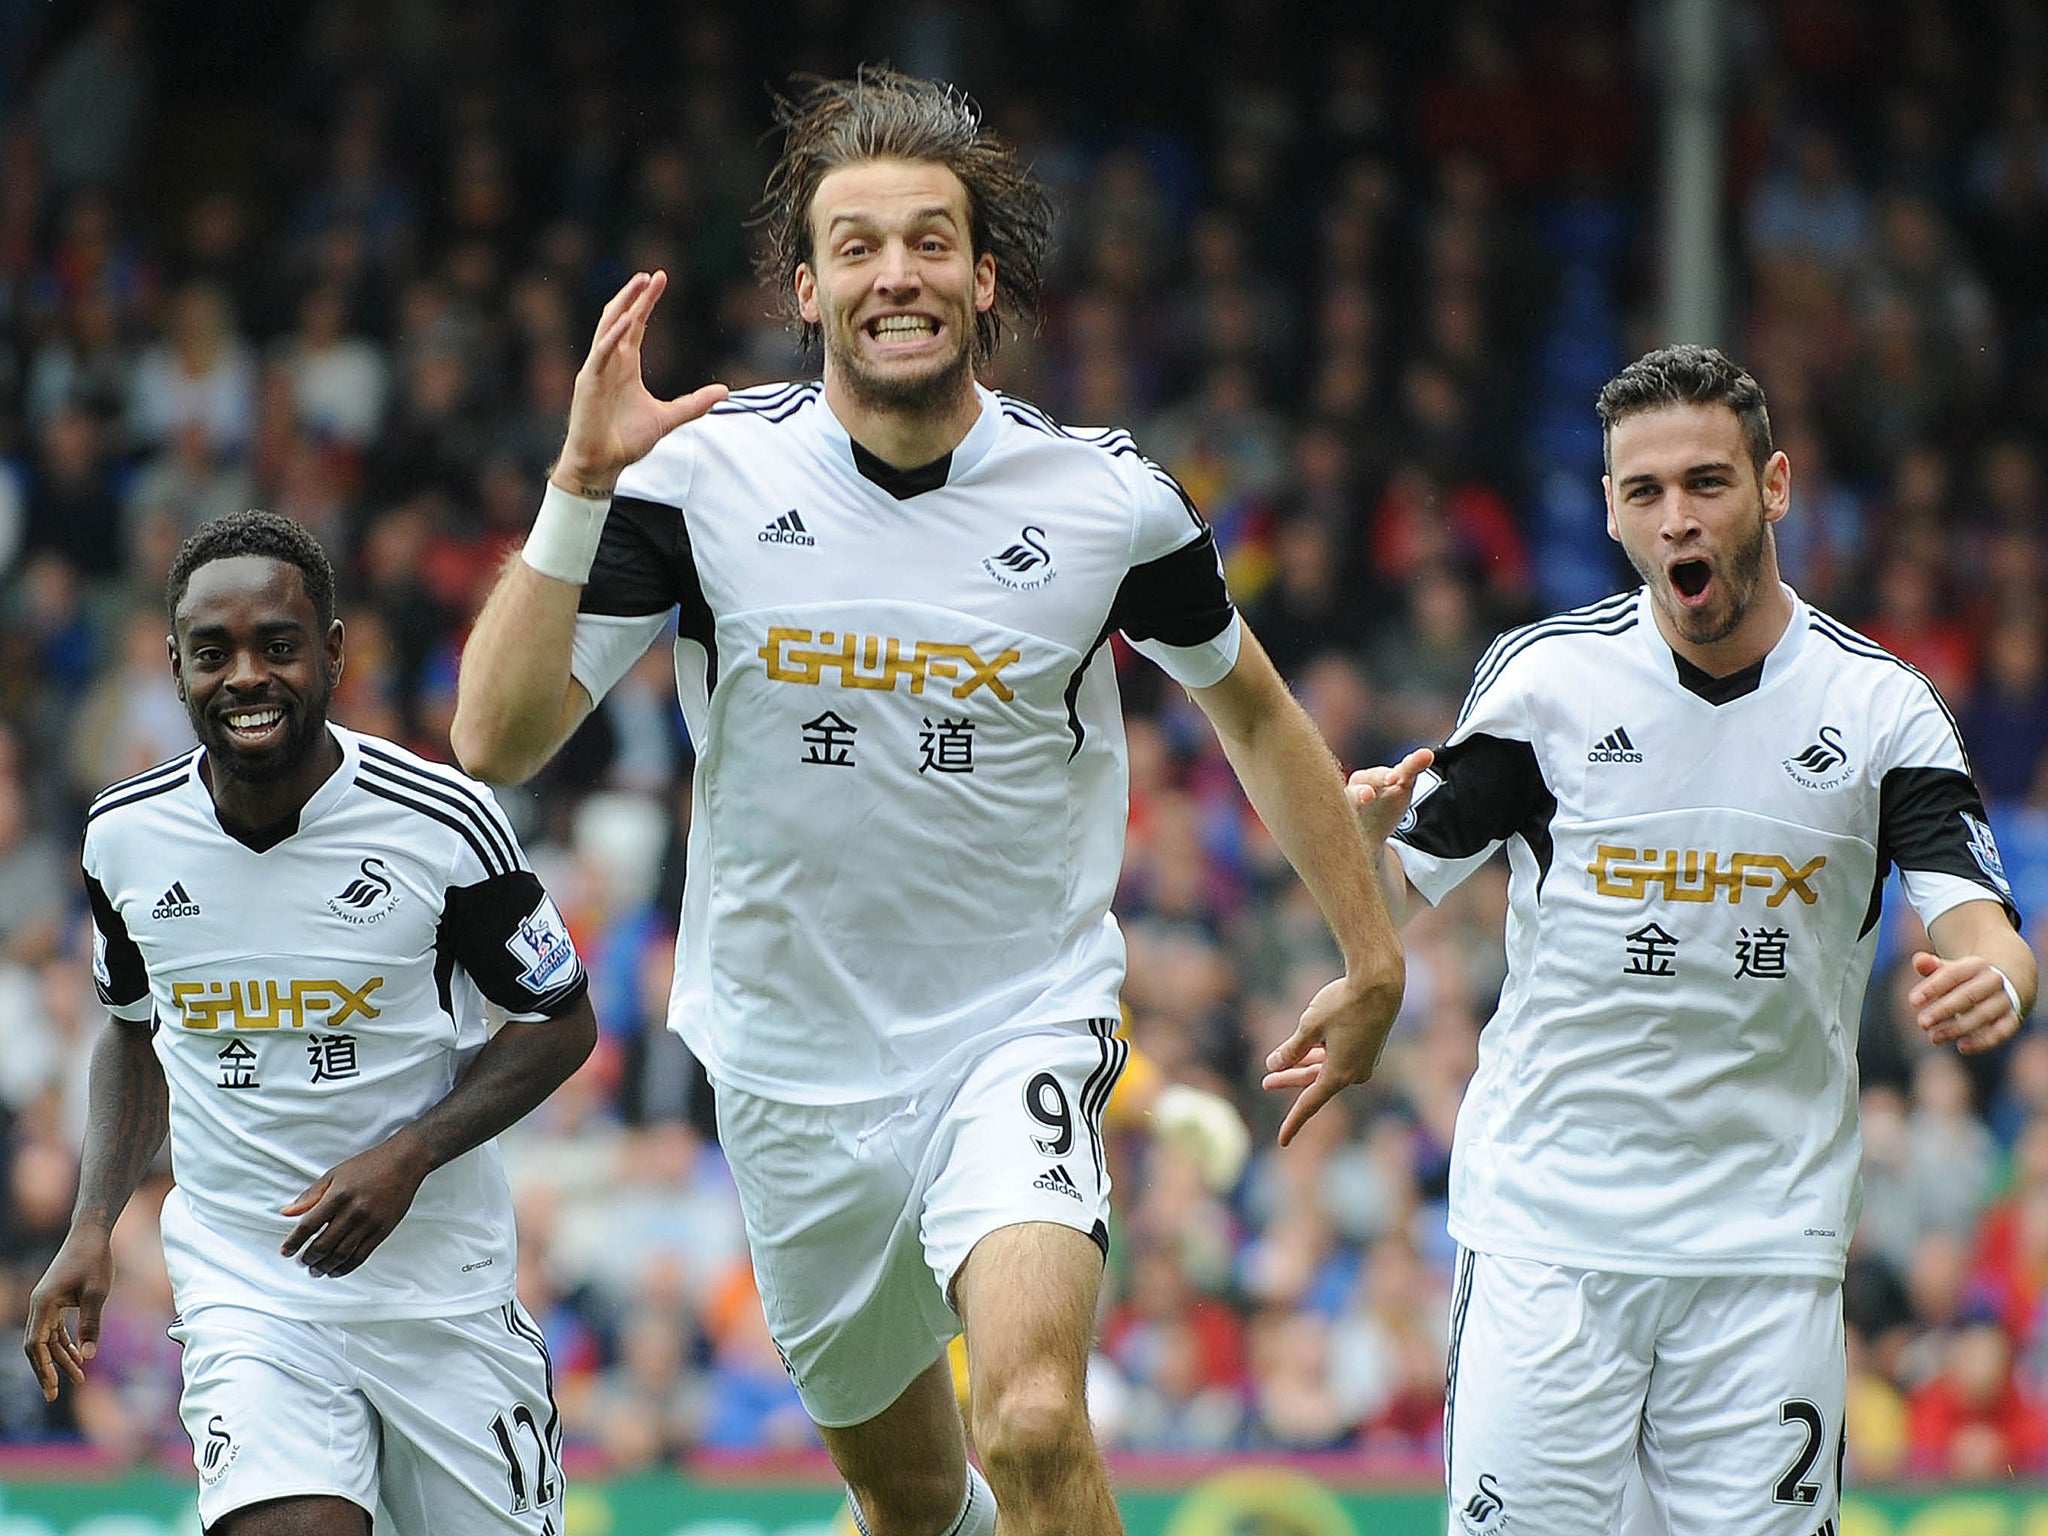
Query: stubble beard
{"points": [[1740, 575], [268, 768], [938, 387]]}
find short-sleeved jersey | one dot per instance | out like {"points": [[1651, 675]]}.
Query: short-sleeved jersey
{"points": [[1696, 867], [910, 798], [309, 1000]]}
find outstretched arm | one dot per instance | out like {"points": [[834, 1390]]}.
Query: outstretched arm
{"points": [[1962, 994], [515, 702], [127, 1116], [1294, 784], [355, 1205]]}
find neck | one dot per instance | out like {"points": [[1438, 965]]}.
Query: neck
{"points": [[1750, 642], [244, 806], [902, 436]]}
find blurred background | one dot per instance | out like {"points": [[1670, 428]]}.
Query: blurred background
{"points": [[1353, 274]]}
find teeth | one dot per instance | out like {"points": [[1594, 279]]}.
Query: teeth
{"points": [[255, 719], [904, 325]]}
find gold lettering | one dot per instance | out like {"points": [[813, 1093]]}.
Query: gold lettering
{"points": [[878, 662], [260, 1003], [1698, 875]]}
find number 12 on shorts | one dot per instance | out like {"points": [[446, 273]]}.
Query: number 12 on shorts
{"points": [[1798, 1485]]}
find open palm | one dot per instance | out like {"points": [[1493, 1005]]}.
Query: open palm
{"points": [[613, 419]]}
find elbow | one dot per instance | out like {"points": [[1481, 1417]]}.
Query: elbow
{"points": [[485, 753]]}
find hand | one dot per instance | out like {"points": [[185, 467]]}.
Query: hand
{"points": [[80, 1277], [1381, 796], [613, 419], [1338, 1043], [354, 1206], [1962, 1000]]}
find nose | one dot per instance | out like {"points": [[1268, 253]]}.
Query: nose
{"points": [[895, 272], [246, 671], [1681, 519]]}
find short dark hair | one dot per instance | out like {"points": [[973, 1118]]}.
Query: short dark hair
{"points": [[1686, 375], [882, 115], [253, 532]]}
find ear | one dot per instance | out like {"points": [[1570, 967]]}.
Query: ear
{"points": [[807, 294], [1777, 486], [1607, 500], [335, 638], [177, 668], [984, 283]]}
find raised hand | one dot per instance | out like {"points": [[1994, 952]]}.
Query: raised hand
{"points": [[1381, 796], [613, 419]]}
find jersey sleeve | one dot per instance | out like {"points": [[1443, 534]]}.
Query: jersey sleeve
{"points": [[1173, 605], [645, 571], [1485, 787], [1931, 820], [117, 970], [509, 937]]}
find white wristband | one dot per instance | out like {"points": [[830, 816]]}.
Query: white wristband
{"points": [[2011, 991], [566, 530]]}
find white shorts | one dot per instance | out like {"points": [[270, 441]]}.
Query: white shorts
{"points": [[1728, 1390], [450, 1424], [859, 1215]]}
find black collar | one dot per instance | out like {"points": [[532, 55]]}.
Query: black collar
{"points": [[902, 483], [1720, 690]]}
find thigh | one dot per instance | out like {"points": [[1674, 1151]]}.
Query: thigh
{"points": [[1743, 1427], [830, 1196], [472, 1440], [1547, 1374], [273, 1416], [1021, 1142]]}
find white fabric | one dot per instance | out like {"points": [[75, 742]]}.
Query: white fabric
{"points": [[856, 928], [1729, 1390], [348, 907], [860, 1215], [397, 1413], [1699, 1121]]}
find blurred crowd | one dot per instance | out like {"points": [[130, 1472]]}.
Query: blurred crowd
{"points": [[1355, 281]]}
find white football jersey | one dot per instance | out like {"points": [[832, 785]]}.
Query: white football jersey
{"points": [[310, 1000], [1669, 1085], [908, 816]]}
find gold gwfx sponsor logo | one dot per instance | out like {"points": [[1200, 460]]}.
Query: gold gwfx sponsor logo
{"points": [[1688, 874], [258, 1004], [879, 662]]}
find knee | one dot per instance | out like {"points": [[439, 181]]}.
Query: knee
{"points": [[912, 1500], [1030, 1429]]}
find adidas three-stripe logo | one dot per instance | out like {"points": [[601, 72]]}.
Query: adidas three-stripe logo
{"points": [[787, 529], [175, 902], [1058, 1180], [1615, 747]]}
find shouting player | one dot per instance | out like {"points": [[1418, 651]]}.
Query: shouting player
{"points": [[1701, 785]]}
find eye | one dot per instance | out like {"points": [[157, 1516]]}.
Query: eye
{"points": [[281, 650], [932, 245], [853, 250]]}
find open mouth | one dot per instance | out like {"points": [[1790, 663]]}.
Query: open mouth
{"points": [[253, 727], [1690, 577]]}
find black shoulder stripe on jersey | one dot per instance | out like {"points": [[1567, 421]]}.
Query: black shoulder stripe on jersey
{"points": [[1114, 441], [127, 977], [478, 923], [1615, 616], [1492, 788], [645, 566], [1921, 826], [1178, 599], [1860, 645], [401, 794], [776, 410], [171, 767], [459, 793], [162, 786]]}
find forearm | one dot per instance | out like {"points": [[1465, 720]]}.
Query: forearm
{"points": [[1983, 929], [516, 702], [128, 1114], [1294, 784], [520, 1066]]}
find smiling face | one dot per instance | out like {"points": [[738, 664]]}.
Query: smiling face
{"points": [[253, 667], [894, 285], [1694, 519]]}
